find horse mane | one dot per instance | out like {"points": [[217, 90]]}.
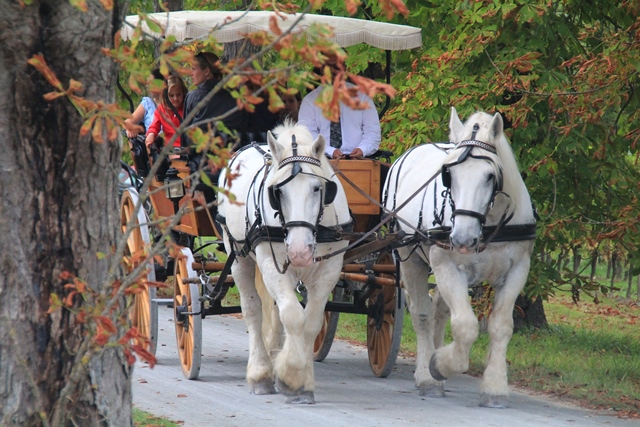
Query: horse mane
{"points": [[512, 180]]}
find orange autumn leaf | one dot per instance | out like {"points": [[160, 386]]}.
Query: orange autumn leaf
{"points": [[40, 64], [51, 96], [86, 127], [145, 355], [97, 131], [107, 4], [352, 6], [273, 26]]}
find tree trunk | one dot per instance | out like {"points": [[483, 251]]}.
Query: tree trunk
{"points": [[529, 313], [577, 259], [630, 281], [59, 210]]}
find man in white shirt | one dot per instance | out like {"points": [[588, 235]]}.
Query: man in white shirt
{"points": [[357, 132]]}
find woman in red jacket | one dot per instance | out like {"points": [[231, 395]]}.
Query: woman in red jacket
{"points": [[165, 119]]}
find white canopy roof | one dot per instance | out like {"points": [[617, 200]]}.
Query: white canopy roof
{"points": [[348, 31]]}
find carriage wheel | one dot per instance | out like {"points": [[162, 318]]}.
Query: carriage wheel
{"points": [[188, 326], [324, 340], [144, 314], [384, 324]]}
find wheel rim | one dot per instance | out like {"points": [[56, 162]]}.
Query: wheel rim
{"points": [[188, 327], [384, 327], [137, 242], [324, 339], [317, 344]]}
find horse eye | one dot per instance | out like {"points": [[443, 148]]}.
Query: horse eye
{"points": [[491, 177], [316, 189]]}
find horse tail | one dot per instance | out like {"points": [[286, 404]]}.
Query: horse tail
{"points": [[271, 325]]}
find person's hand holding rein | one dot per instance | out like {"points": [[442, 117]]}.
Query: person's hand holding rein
{"points": [[356, 154]]}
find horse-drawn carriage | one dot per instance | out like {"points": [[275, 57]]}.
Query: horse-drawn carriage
{"points": [[294, 231], [369, 281]]}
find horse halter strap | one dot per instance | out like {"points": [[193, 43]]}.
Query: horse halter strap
{"points": [[274, 196], [473, 142], [469, 144]]}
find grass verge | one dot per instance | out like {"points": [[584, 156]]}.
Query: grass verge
{"points": [[589, 353], [145, 419]]}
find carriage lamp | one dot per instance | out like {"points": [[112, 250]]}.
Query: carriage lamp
{"points": [[173, 187]]}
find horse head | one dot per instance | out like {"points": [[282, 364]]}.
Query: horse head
{"points": [[299, 188], [474, 173]]}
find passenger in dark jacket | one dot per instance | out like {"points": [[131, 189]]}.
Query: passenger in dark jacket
{"points": [[206, 75]]}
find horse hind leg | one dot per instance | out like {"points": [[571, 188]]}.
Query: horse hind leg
{"points": [[272, 332], [412, 271], [442, 315], [259, 367]]}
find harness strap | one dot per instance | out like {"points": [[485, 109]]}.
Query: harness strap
{"points": [[474, 214], [494, 234]]}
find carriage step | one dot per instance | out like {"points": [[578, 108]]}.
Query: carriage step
{"points": [[162, 301]]}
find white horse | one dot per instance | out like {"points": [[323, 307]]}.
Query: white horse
{"points": [[290, 210], [476, 224]]}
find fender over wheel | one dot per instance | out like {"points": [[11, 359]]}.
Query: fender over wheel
{"points": [[187, 310], [143, 315]]}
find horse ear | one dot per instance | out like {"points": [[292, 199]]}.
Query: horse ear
{"points": [[455, 126], [497, 126], [318, 147], [273, 146]]}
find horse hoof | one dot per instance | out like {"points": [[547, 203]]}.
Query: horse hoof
{"points": [[436, 390], [497, 402], [305, 397], [295, 396], [263, 387], [433, 370]]}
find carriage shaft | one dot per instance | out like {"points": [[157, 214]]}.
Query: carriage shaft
{"points": [[366, 278], [208, 266], [376, 268], [227, 280]]}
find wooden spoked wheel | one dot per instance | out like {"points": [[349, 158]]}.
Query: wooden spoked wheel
{"points": [[384, 323], [187, 316], [324, 340], [143, 316]]}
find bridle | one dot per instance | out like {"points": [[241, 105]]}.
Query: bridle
{"points": [[330, 189], [446, 177], [257, 231]]}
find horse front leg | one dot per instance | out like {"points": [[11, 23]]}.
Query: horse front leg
{"points": [[294, 364], [259, 369], [414, 274], [494, 389], [453, 358]]}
